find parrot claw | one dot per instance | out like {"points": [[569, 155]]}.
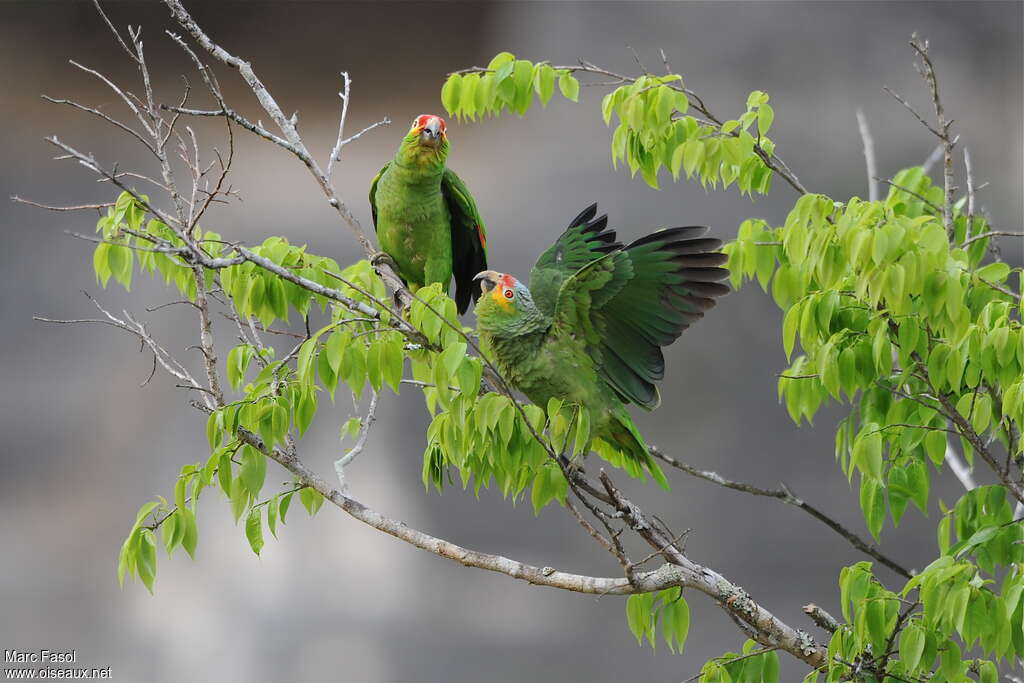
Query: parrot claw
{"points": [[382, 258]]}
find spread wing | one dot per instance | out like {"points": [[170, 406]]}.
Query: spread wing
{"points": [[469, 239], [585, 240], [631, 302]]}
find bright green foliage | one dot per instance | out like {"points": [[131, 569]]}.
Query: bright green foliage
{"points": [[127, 236], [894, 317], [253, 290], [754, 665], [945, 611], [508, 84], [491, 439], [268, 297], [655, 132], [239, 471], [645, 610], [889, 317]]}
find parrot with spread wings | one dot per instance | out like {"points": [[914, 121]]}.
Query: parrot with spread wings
{"points": [[590, 327], [426, 219]]}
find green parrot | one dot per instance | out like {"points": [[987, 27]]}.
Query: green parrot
{"points": [[426, 219], [590, 328]]}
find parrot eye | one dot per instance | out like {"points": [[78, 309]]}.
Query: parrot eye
{"points": [[509, 294]]}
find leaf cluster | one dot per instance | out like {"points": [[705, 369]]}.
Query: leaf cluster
{"points": [[656, 132], [507, 84]]}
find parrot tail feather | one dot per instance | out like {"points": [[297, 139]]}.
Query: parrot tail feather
{"points": [[622, 445]]}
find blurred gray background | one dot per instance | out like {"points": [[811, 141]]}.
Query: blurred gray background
{"points": [[83, 445]]}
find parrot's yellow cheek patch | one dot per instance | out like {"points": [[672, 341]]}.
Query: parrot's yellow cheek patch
{"points": [[499, 297]]}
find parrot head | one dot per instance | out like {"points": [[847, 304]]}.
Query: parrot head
{"points": [[505, 304], [427, 140], [429, 130]]}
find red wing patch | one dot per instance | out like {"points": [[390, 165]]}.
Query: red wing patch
{"points": [[481, 235]]}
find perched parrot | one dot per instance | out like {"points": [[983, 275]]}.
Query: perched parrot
{"points": [[590, 328], [425, 217]]}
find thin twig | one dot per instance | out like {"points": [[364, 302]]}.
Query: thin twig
{"points": [[101, 205], [869, 155], [970, 194], [786, 496], [987, 235], [353, 453], [928, 72]]}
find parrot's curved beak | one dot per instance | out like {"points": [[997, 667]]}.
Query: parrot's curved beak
{"points": [[488, 279]]}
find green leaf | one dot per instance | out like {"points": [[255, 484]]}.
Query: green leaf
{"points": [[168, 529], [872, 504], [765, 117], [949, 660], [994, 272], [452, 357], [680, 611], [500, 60], [214, 433], [311, 500], [912, 641], [145, 554], [693, 156], [253, 471], [935, 446], [637, 615], [334, 349], [569, 86], [450, 93], [190, 536], [272, 509], [987, 672], [867, 451], [545, 83], [351, 427], [982, 416], [239, 497], [254, 530], [790, 323], [305, 409], [770, 669], [286, 501]]}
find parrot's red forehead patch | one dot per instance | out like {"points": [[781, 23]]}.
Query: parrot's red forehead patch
{"points": [[423, 119], [508, 281]]}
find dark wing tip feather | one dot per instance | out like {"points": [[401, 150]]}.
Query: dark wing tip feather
{"points": [[704, 274], [702, 260], [668, 235], [699, 245], [691, 302], [585, 216], [597, 225], [708, 290]]}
